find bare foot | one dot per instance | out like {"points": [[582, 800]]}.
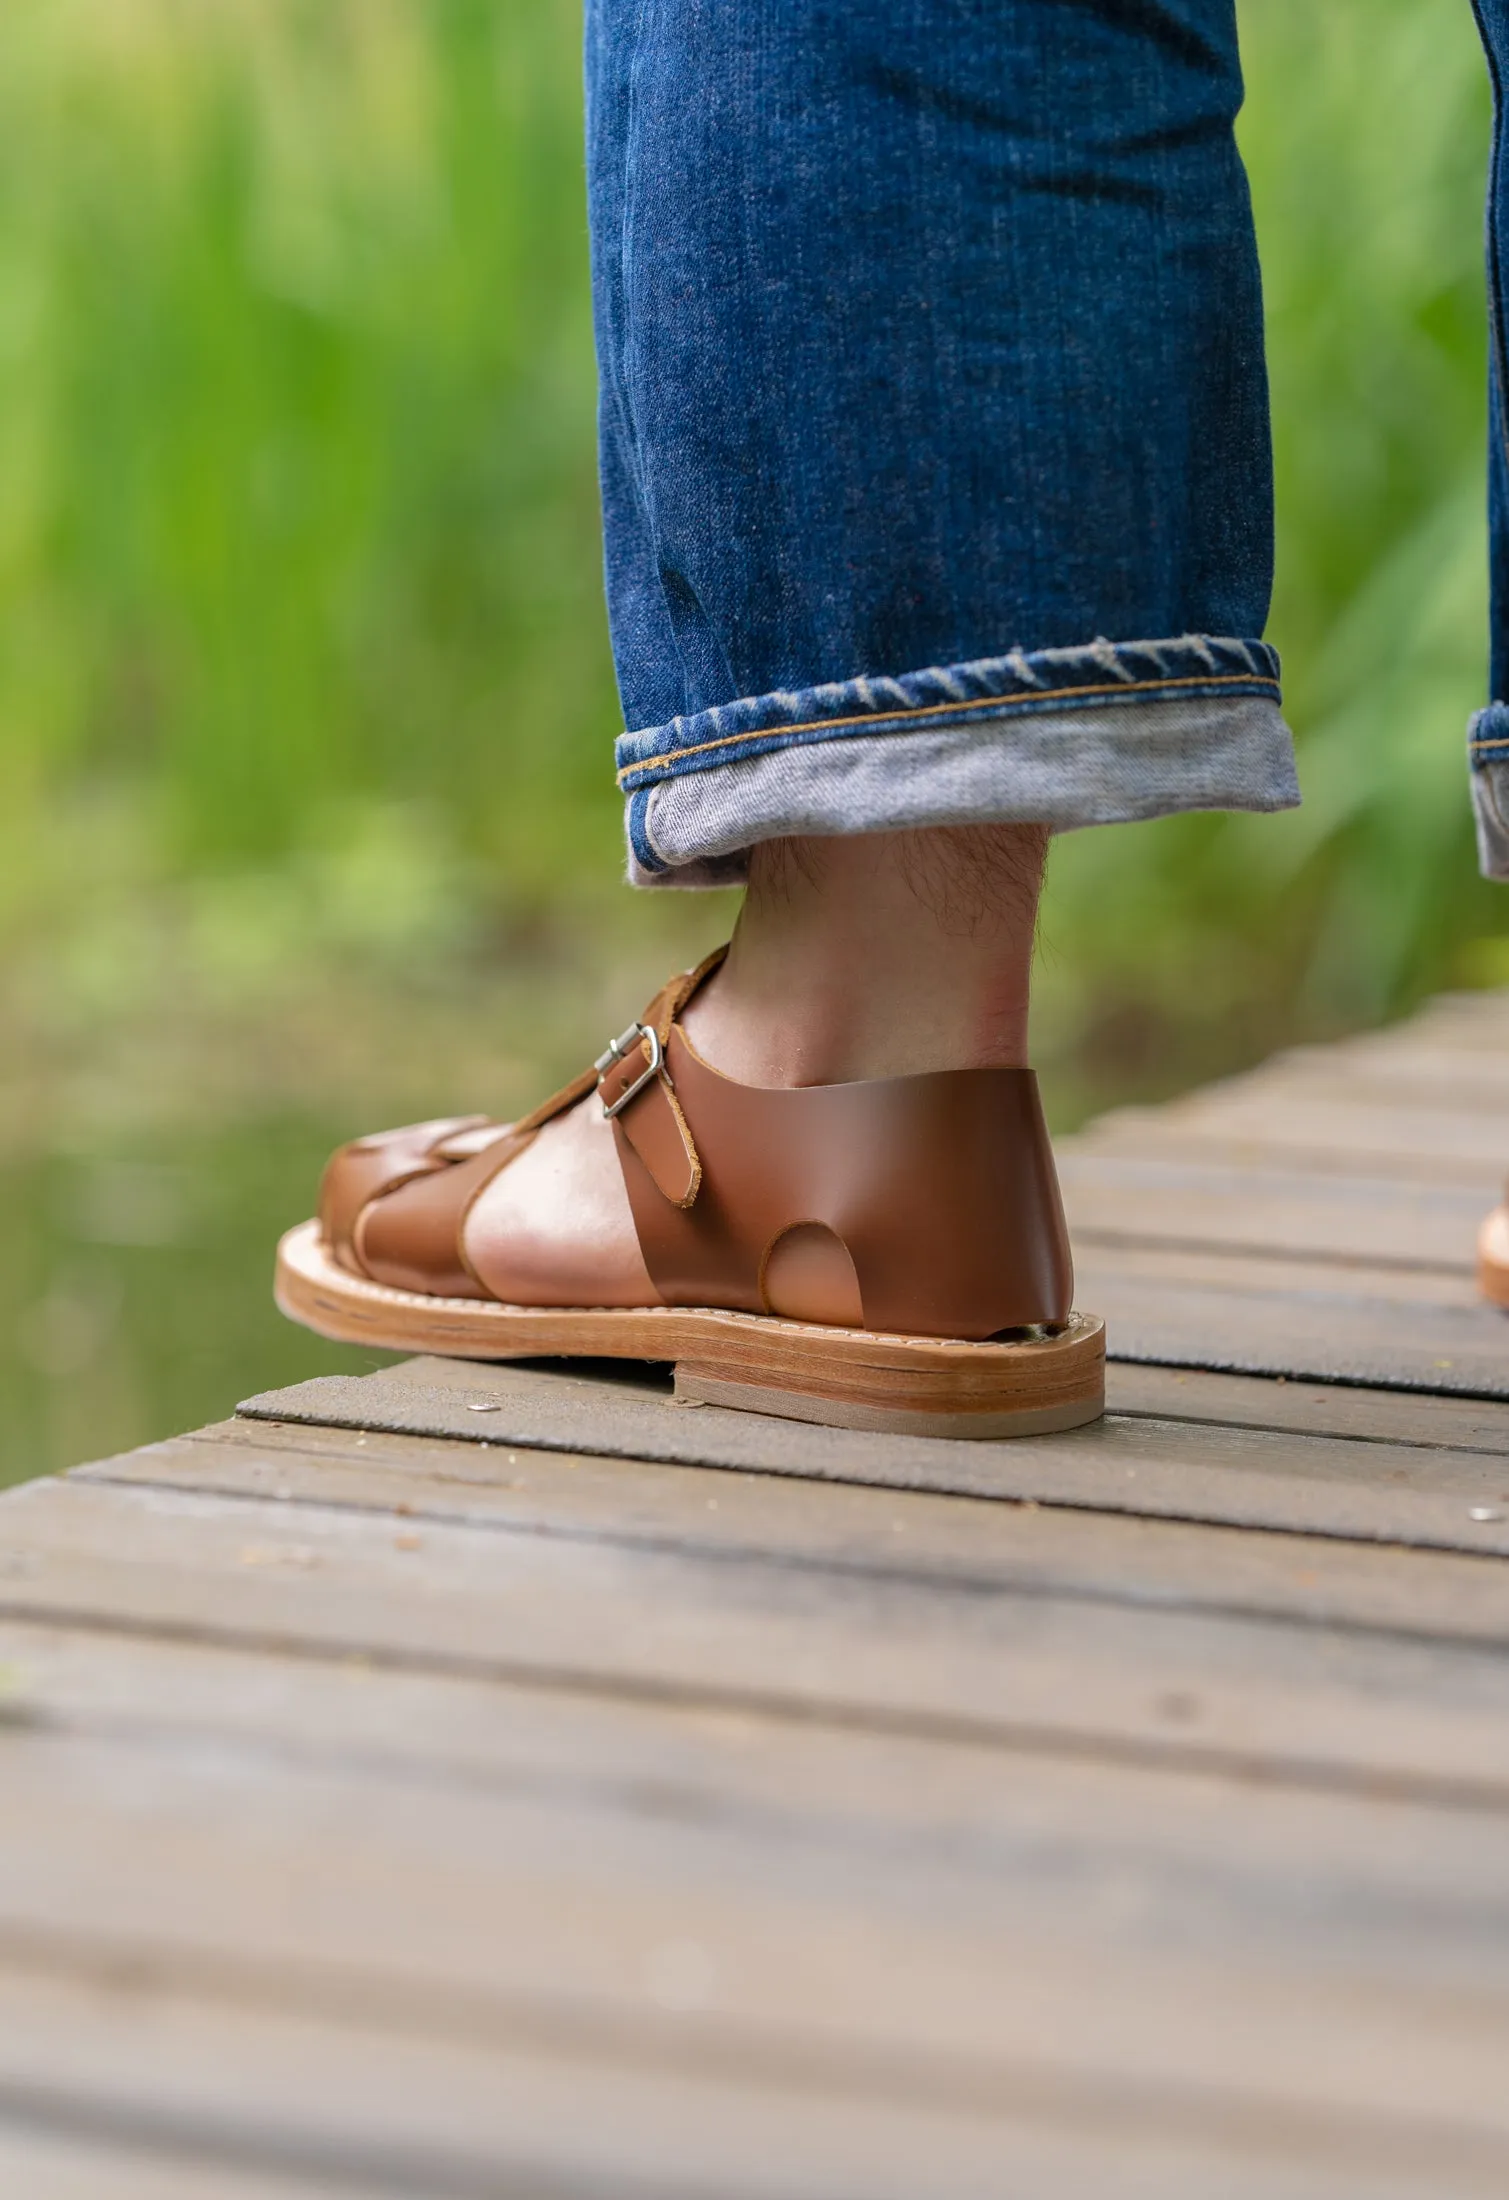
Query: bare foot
{"points": [[879, 955]]}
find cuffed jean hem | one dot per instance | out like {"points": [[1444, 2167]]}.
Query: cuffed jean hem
{"points": [[1097, 735], [1488, 754]]}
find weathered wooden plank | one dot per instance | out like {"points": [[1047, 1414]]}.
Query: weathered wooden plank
{"points": [[1386, 1329], [973, 1545], [113, 2152], [932, 1803], [1402, 1066], [1236, 1128], [1038, 1672], [1429, 1084], [1117, 1199], [1240, 1477], [1144, 1389], [448, 2120], [1418, 1291], [849, 1966], [1338, 1862], [1312, 1409], [1453, 1052], [115, 2159]]}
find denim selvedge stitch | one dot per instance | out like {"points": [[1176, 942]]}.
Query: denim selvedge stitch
{"points": [[1488, 754], [1046, 679], [1075, 766], [1235, 752], [979, 701]]}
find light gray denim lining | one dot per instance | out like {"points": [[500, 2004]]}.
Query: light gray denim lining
{"points": [[1490, 807], [1067, 768]]}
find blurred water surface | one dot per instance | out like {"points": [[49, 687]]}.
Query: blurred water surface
{"points": [[306, 812]]}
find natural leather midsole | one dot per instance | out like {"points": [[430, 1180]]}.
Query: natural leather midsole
{"points": [[905, 1373]]}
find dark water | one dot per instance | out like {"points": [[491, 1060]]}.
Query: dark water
{"points": [[135, 1289], [152, 1160]]}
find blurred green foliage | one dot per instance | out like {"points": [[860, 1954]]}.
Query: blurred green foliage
{"points": [[298, 548], [1365, 135], [305, 697], [295, 438]]}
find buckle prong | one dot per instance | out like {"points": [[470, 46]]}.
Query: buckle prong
{"points": [[622, 1045]]}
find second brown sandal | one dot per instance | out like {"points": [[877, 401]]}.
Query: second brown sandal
{"points": [[885, 1255], [1493, 1256]]}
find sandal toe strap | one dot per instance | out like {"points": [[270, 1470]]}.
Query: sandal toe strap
{"points": [[394, 1207], [370, 1167], [411, 1237]]}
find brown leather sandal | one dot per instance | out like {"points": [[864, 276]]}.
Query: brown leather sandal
{"points": [[884, 1255], [1493, 1256]]}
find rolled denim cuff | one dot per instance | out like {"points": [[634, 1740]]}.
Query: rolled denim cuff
{"points": [[1488, 755], [1067, 737]]}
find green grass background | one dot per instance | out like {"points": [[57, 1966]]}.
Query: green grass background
{"points": [[306, 811]]}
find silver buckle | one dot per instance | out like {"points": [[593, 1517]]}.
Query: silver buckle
{"points": [[622, 1045]]}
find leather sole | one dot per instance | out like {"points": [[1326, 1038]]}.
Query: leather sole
{"points": [[1493, 1257], [846, 1378]]}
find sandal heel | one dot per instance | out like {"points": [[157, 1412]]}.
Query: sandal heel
{"points": [[916, 1387]]}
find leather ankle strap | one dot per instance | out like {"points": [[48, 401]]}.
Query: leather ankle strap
{"points": [[634, 1079]]}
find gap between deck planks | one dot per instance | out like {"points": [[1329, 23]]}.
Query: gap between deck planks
{"points": [[977, 1545], [951, 1919], [653, 1802], [1104, 1623], [200, 2092], [1180, 1456], [1315, 1218], [946, 1915]]}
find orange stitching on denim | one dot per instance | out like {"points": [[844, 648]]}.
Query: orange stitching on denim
{"points": [[930, 710]]}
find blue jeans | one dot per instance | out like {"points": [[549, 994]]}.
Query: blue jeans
{"points": [[936, 475]]}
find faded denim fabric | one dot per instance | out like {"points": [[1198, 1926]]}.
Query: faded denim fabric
{"points": [[934, 437], [1488, 734]]}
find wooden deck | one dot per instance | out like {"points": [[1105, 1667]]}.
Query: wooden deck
{"points": [[468, 1781]]}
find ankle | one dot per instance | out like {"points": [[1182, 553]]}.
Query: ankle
{"points": [[877, 955]]}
